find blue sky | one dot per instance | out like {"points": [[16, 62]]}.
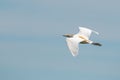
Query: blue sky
{"points": [[32, 48]]}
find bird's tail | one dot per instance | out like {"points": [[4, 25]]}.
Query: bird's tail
{"points": [[96, 44]]}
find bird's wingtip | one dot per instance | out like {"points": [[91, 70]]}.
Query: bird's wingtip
{"points": [[96, 32], [80, 27], [74, 54]]}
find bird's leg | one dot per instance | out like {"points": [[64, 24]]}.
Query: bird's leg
{"points": [[96, 44]]}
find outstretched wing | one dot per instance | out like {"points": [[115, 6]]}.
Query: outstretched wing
{"points": [[73, 46], [86, 32]]}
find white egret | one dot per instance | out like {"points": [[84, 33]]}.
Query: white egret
{"points": [[81, 37]]}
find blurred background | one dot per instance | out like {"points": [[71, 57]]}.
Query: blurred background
{"points": [[32, 46]]}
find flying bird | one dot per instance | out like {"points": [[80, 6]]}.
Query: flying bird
{"points": [[82, 37]]}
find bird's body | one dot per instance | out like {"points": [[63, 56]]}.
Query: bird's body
{"points": [[82, 37]]}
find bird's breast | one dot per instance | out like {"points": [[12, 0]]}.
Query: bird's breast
{"points": [[83, 37]]}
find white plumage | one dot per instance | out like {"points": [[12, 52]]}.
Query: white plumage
{"points": [[81, 37]]}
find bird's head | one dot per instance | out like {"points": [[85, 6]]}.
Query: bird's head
{"points": [[68, 35]]}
